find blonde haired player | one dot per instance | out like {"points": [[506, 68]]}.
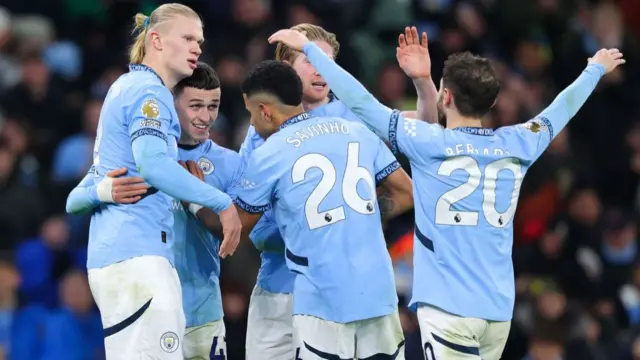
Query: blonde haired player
{"points": [[270, 321], [130, 258]]}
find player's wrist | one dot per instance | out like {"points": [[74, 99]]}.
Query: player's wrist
{"points": [[194, 208], [104, 190], [421, 80], [307, 47], [598, 66]]}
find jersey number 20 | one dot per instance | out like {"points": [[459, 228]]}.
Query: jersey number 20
{"points": [[352, 175], [445, 216]]}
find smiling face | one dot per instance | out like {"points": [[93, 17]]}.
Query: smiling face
{"points": [[197, 110]]}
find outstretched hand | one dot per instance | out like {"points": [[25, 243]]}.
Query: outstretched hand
{"points": [[609, 58], [413, 54]]}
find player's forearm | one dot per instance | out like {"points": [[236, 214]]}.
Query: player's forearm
{"points": [[168, 176], [349, 90], [570, 100], [84, 197], [82, 200], [210, 220], [427, 99], [395, 194]]}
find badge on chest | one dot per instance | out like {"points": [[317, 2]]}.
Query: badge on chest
{"points": [[205, 165]]}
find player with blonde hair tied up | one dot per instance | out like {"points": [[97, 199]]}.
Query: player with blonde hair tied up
{"points": [[130, 260]]}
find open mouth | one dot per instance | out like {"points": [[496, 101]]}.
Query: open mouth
{"points": [[200, 126], [193, 63], [319, 85]]}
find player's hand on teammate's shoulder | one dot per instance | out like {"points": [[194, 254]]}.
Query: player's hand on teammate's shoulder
{"points": [[231, 231], [609, 58], [126, 189], [292, 38], [412, 54]]}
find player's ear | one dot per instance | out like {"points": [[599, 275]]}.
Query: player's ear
{"points": [[154, 40], [265, 112], [447, 97], [494, 103]]}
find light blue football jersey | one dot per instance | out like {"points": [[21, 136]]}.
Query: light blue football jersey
{"points": [[196, 249], [319, 175], [274, 276], [466, 184], [137, 104]]}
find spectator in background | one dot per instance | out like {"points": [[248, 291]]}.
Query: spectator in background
{"points": [[9, 280], [74, 155], [43, 260], [9, 68], [74, 331]]}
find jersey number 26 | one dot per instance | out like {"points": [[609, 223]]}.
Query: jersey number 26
{"points": [[352, 175]]}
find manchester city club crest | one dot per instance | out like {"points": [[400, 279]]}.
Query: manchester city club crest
{"points": [[205, 165], [169, 342]]}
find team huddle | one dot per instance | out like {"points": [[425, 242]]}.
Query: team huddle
{"points": [[310, 186]]}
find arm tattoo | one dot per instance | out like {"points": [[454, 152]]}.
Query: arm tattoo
{"points": [[385, 203]]}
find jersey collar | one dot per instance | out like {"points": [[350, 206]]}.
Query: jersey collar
{"points": [[296, 119], [142, 67], [475, 130], [189, 147]]}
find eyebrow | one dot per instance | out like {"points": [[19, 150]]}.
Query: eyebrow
{"points": [[201, 101]]}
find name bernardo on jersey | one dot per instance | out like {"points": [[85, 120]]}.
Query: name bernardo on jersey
{"points": [[469, 149], [317, 130]]}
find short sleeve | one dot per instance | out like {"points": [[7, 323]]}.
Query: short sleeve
{"points": [[151, 115], [385, 163], [412, 137], [255, 191]]}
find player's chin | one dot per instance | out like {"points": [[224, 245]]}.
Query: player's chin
{"points": [[186, 72], [313, 94], [198, 134]]}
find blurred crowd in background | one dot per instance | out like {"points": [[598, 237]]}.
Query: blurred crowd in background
{"points": [[576, 238]]}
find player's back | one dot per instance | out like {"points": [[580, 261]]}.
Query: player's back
{"points": [[467, 183], [325, 205], [274, 275], [195, 247], [136, 105]]}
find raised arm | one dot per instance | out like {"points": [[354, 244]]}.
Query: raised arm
{"points": [[570, 100], [346, 87], [413, 58]]}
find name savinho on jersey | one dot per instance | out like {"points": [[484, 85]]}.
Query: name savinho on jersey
{"points": [[317, 130]]}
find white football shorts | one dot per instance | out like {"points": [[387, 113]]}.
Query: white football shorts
{"points": [[140, 302], [380, 338], [450, 337], [270, 326], [205, 342]]}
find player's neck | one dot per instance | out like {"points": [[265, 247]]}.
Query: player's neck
{"points": [[188, 141], [455, 121], [308, 106], [164, 73], [289, 112]]}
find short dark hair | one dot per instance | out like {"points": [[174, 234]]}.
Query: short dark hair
{"points": [[204, 77], [274, 78], [473, 81]]}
